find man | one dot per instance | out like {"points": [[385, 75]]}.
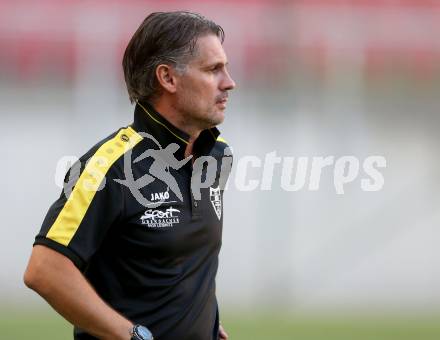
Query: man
{"points": [[123, 253]]}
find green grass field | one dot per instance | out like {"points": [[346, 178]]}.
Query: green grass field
{"points": [[47, 325]]}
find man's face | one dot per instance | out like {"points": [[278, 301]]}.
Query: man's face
{"points": [[202, 90]]}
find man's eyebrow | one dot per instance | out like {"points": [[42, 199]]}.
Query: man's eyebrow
{"points": [[218, 63]]}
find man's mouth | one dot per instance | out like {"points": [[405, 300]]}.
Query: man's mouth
{"points": [[222, 100], [222, 103]]}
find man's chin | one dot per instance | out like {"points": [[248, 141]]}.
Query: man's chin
{"points": [[212, 119], [219, 117]]}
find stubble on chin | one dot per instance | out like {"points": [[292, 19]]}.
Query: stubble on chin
{"points": [[216, 117]]}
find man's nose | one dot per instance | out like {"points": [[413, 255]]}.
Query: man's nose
{"points": [[228, 83]]}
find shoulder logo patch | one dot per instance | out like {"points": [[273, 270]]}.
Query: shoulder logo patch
{"points": [[216, 201]]}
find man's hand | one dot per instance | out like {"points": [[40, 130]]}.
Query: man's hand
{"points": [[222, 333]]}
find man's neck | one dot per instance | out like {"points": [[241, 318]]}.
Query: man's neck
{"points": [[177, 120], [190, 145]]}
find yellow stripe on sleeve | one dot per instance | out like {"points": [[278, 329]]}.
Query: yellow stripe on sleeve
{"points": [[75, 208]]}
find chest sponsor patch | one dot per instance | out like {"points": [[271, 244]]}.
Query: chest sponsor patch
{"points": [[156, 218], [216, 201]]}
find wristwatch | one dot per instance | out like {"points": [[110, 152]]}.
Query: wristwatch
{"points": [[140, 332]]}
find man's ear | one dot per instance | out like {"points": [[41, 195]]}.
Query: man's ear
{"points": [[166, 76]]}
